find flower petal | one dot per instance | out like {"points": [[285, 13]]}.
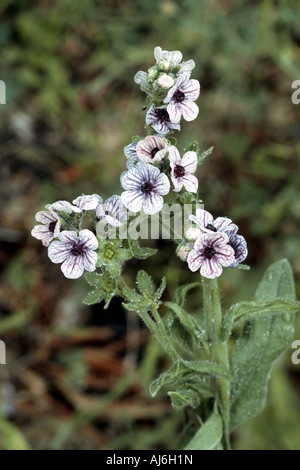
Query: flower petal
{"points": [[148, 172], [73, 267], [65, 206], [131, 179], [162, 184], [41, 232], [58, 251], [174, 156], [133, 200], [46, 217], [90, 260], [88, 240], [187, 67], [68, 237], [190, 182], [158, 53], [211, 269], [153, 203], [189, 162], [191, 89], [202, 218], [178, 184], [223, 224], [195, 260], [189, 110], [87, 203], [174, 111]]}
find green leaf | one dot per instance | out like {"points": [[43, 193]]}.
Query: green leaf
{"points": [[11, 437], [139, 251], [244, 311], [94, 297], [262, 341], [124, 254], [172, 141], [209, 436], [193, 147], [247, 310], [165, 379], [145, 284], [185, 397], [204, 154], [94, 279], [181, 292], [208, 368], [161, 289], [105, 288], [186, 320]]}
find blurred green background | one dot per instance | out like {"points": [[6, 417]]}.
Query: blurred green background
{"points": [[77, 377]]}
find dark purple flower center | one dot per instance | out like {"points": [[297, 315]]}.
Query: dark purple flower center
{"points": [[211, 227], [77, 250], [179, 171], [154, 152], [146, 187], [52, 226], [162, 115], [178, 96], [209, 252]]}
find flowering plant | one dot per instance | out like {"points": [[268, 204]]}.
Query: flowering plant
{"points": [[219, 386]]}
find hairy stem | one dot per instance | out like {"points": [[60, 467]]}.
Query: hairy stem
{"points": [[219, 349]]}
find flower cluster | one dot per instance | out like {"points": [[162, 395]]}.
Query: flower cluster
{"points": [[216, 244], [171, 95], [171, 90], [60, 231], [154, 166]]}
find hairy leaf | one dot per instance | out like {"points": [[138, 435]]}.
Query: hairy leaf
{"points": [[208, 368], [145, 284], [181, 399], [94, 297], [209, 436], [181, 292], [262, 341], [187, 321]]}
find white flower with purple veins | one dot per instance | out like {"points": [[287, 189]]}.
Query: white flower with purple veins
{"points": [[167, 58], [75, 252], [204, 220], [151, 149], [141, 79], [181, 97], [145, 185], [86, 203], [174, 58], [210, 254], [130, 153], [111, 211], [50, 227], [182, 170], [65, 206], [159, 119], [239, 245]]}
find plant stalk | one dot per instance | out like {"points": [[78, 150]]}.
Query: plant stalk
{"points": [[219, 349]]}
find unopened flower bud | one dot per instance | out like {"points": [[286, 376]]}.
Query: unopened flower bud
{"points": [[183, 251], [165, 81], [164, 65], [152, 73], [192, 233]]}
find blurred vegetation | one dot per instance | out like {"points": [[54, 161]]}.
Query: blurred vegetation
{"points": [[77, 377]]}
